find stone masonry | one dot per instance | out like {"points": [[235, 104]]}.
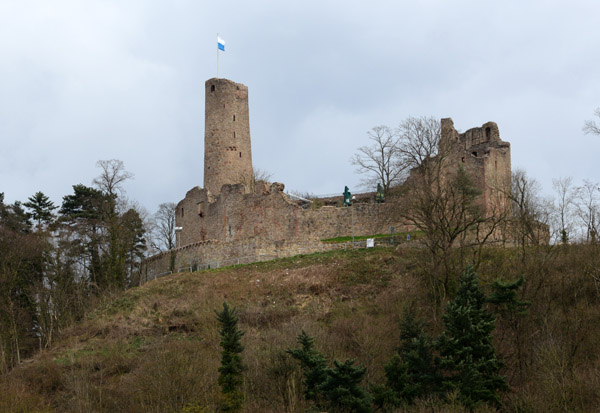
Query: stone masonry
{"points": [[267, 213], [486, 158], [233, 216], [227, 149]]}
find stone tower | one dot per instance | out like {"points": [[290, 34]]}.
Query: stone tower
{"points": [[227, 150], [486, 157]]}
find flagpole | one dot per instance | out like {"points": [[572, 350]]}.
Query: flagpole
{"points": [[217, 55]]}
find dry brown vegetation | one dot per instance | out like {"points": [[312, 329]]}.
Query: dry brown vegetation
{"points": [[156, 349]]}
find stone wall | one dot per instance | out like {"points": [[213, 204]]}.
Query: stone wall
{"points": [[267, 213], [212, 254]]}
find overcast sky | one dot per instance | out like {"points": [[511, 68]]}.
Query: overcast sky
{"points": [[84, 80]]}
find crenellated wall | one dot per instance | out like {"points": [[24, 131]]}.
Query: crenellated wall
{"points": [[267, 213]]}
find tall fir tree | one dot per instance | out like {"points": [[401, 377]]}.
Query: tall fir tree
{"points": [[313, 365], [504, 297], [231, 369], [342, 388], [41, 209], [81, 214], [335, 389], [411, 372], [468, 357]]}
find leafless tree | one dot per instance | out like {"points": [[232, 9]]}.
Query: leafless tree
{"points": [[116, 219], [530, 211], [440, 198], [261, 175], [564, 208], [164, 226], [379, 162], [443, 204], [111, 177], [419, 140], [588, 209], [591, 126]]}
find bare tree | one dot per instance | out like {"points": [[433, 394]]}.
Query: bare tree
{"points": [[441, 199], [419, 140], [109, 182], [588, 209], [164, 225], [590, 126], [564, 207], [379, 161], [111, 177], [530, 212], [443, 204], [261, 175]]}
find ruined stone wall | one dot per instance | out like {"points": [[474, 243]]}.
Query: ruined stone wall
{"points": [[227, 148], [267, 213]]}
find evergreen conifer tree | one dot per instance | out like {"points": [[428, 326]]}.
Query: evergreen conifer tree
{"points": [[467, 354], [41, 208], [337, 389], [342, 388], [313, 365], [411, 372], [504, 296], [230, 371]]}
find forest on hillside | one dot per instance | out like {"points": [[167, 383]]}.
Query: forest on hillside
{"points": [[373, 312]]}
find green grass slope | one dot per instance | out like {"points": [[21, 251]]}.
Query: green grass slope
{"points": [[155, 348]]}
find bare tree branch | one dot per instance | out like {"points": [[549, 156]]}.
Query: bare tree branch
{"points": [[588, 209], [564, 208], [591, 127], [419, 140], [261, 175], [164, 226], [111, 177], [379, 161]]}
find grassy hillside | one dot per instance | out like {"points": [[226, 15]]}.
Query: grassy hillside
{"points": [[156, 349]]}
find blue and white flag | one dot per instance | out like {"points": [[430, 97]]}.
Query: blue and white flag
{"points": [[221, 43]]}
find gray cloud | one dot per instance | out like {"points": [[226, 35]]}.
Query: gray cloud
{"points": [[83, 81]]}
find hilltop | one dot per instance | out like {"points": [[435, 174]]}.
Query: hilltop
{"points": [[155, 347]]}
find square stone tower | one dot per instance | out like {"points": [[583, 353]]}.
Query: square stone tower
{"points": [[486, 157], [227, 148]]}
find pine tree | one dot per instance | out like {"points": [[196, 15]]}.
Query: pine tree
{"points": [[342, 388], [337, 388], [411, 372], [230, 371], [467, 354], [15, 218], [41, 208], [504, 296], [313, 365]]}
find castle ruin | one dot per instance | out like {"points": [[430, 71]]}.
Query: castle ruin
{"points": [[485, 157], [233, 216]]}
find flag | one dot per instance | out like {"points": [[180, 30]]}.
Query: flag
{"points": [[220, 43]]}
